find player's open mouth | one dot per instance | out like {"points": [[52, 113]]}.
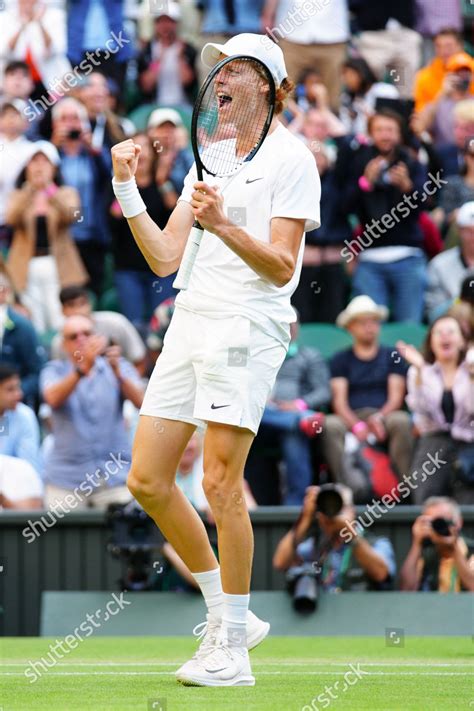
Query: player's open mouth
{"points": [[223, 99]]}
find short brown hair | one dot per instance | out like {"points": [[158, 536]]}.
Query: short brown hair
{"points": [[450, 32], [385, 113]]}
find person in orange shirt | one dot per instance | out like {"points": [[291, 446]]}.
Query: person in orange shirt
{"points": [[430, 80]]}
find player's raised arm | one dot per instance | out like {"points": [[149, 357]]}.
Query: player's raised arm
{"points": [[162, 249]]}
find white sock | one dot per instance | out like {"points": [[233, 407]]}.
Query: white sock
{"points": [[211, 587], [234, 619]]}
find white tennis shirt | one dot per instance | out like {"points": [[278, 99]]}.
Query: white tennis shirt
{"points": [[281, 181]]}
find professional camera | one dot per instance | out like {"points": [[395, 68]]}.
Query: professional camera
{"points": [[302, 581], [329, 501], [441, 526], [137, 542]]}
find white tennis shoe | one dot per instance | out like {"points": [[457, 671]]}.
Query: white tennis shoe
{"points": [[224, 666], [208, 632]]}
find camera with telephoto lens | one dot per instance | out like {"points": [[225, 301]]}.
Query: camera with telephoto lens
{"points": [[441, 526], [302, 582], [329, 501]]}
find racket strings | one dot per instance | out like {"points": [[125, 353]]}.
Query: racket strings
{"points": [[232, 117]]}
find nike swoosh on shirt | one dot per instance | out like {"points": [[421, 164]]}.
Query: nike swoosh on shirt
{"points": [[252, 180], [217, 407]]}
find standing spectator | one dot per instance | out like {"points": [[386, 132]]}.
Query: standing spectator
{"points": [[174, 161], [88, 171], [95, 29], [105, 125], [368, 388], [361, 91], [166, 65], [438, 116], [19, 429], [452, 156], [429, 80], [139, 290], [86, 393], [301, 389], [441, 398], [19, 346], [448, 269], [43, 257], [387, 40], [116, 328], [14, 150], [317, 41], [374, 180], [36, 34], [438, 561]]}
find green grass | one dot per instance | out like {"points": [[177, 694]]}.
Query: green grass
{"points": [[130, 673]]}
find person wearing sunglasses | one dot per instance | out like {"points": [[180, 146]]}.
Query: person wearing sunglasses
{"points": [[90, 452]]}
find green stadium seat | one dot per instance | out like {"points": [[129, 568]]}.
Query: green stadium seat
{"points": [[412, 333]]}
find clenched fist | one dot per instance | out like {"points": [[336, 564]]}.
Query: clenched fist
{"points": [[124, 159]]}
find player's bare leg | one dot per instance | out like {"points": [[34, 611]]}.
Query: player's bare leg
{"points": [[157, 449]]}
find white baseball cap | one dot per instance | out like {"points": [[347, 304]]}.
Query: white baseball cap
{"points": [[169, 9], [44, 147], [160, 116], [465, 216], [259, 46]]}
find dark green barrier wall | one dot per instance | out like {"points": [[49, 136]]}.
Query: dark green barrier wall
{"points": [[72, 555]]}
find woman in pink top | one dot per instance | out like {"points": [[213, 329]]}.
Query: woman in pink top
{"points": [[441, 397]]}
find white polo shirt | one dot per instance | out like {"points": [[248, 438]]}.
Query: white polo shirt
{"points": [[281, 181]]}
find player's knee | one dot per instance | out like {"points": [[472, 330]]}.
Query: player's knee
{"points": [[215, 484], [144, 488]]}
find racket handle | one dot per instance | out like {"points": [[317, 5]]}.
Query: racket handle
{"points": [[189, 257]]}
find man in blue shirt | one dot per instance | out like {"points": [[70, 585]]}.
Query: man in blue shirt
{"points": [[91, 452], [19, 429], [368, 391]]}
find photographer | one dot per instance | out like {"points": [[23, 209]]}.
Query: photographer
{"points": [[86, 393], [439, 559], [315, 543]]}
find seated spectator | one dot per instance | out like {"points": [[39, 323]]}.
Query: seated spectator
{"points": [[21, 487], [43, 257], [319, 42], [15, 147], [19, 345], [438, 116], [434, 22], [18, 84], [387, 40], [440, 559], [19, 429], [139, 290], [452, 156], [361, 91], [448, 269], [166, 65], [440, 396], [368, 389], [314, 120], [35, 33], [174, 161], [429, 80], [319, 128], [375, 180], [458, 190], [106, 130], [90, 452], [463, 309], [88, 171], [301, 389], [114, 327], [361, 563]]}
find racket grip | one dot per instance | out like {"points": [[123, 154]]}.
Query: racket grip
{"points": [[189, 257]]}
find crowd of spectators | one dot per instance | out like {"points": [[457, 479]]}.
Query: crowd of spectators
{"points": [[384, 99]]}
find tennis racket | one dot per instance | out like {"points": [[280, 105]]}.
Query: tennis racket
{"points": [[231, 118]]}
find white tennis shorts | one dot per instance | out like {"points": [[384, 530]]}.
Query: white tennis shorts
{"points": [[213, 369]]}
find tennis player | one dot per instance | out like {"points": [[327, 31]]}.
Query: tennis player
{"points": [[226, 342]]}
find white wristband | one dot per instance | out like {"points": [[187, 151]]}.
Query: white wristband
{"points": [[128, 197]]}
